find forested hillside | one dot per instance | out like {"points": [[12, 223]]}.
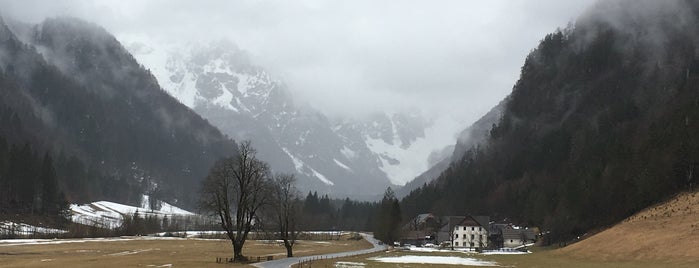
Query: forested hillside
{"points": [[604, 121], [28, 183], [69, 89]]}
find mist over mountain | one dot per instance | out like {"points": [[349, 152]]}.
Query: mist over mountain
{"points": [[474, 136], [72, 90], [367, 98], [600, 124], [356, 157]]}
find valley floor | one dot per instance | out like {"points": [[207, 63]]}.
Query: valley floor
{"points": [[151, 252], [540, 258], [664, 235]]}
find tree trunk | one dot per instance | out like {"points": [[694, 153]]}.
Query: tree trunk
{"points": [[288, 246], [238, 252]]}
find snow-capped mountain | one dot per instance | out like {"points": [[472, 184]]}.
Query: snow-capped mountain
{"points": [[342, 157]]}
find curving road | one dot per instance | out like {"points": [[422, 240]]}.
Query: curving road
{"points": [[285, 263]]}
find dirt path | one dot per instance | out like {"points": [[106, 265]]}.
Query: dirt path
{"points": [[285, 263]]}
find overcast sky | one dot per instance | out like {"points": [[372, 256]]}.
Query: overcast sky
{"points": [[349, 57]]}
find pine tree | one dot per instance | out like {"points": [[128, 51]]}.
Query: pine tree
{"points": [[165, 224], [389, 218], [49, 192]]}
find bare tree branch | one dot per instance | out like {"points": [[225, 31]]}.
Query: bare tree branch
{"points": [[237, 185], [285, 207]]}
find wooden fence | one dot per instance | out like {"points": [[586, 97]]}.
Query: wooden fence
{"points": [[308, 262], [250, 259]]}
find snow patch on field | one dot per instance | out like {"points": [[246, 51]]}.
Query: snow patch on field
{"points": [[505, 252], [468, 250], [349, 264], [426, 249], [21, 242], [435, 260], [190, 234], [131, 252]]}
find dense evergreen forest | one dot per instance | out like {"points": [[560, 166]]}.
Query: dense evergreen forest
{"points": [[69, 89], [604, 121], [29, 184]]}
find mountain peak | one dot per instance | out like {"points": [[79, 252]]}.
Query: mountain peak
{"points": [[219, 81]]}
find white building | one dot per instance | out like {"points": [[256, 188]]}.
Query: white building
{"points": [[472, 232]]}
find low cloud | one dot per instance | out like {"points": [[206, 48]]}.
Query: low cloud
{"points": [[352, 57]]}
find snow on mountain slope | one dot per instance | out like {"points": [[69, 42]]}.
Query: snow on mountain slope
{"points": [[302, 168], [110, 214], [401, 141], [340, 157]]}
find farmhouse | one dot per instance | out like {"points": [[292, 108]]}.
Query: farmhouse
{"points": [[475, 232], [446, 229], [420, 230], [503, 235], [513, 238], [472, 232]]}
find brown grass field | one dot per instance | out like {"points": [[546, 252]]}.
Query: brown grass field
{"points": [[142, 252]]}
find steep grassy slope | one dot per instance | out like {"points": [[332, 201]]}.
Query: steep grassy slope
{"points": [[667, 231]]}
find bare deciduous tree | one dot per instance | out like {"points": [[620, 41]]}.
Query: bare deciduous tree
{"points": [[285, 207], [235, 190]]}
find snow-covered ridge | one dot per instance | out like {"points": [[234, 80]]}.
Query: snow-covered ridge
{"points": [[110, 215]]}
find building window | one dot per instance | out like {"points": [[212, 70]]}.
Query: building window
{"points": [[472, 237], [511, 241], [456, 244], [473, 228], [480, 228], [457, 236]]}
